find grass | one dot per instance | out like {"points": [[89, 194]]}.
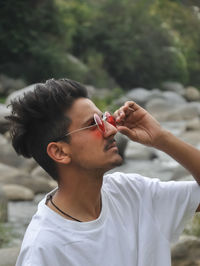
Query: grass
{"points": [[2, 99], [194, 226], [5, 234]]}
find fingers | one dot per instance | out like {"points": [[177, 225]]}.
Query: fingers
{"points": [[125, 110]]}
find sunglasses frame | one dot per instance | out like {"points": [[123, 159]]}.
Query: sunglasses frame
{"points": [[99, 123]]}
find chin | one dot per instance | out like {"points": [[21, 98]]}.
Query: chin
{"points": [[117, 162]]}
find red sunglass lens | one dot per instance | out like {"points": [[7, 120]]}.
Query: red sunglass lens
{"points": [[110, 119], [99, 122]]}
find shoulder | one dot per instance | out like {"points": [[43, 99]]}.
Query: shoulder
{"points": [[130, 182]]}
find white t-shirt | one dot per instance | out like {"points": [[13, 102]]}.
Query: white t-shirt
{"points": [[138, 220]]}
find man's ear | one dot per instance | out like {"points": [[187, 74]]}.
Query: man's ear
{"points": [[59, 152]]}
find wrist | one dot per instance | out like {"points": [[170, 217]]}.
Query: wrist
{"points": [[163, 140]]}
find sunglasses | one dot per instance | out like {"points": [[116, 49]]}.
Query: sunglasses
{"points": [[98, 122]]}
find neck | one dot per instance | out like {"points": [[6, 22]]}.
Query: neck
{"points": [[79, 194]]}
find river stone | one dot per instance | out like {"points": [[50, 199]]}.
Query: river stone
{"points": [[39, 171], [11, 175], [16, 192], [9, 84], [4, 124], [193, 124], [192, 94], [173, 97], [3, 206], [186, 251], [159, 107], [192, 137], [122, 141], [179, 173], [185, 111], [173, 86], [141, 95], [137, 151], [9, 156], [9, 256]]}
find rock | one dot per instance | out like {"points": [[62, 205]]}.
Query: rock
{"points": [[39, 171], [136, 151], [183, 112], [192, 137], [193, 124], [4, 124], [39, 184], [16, 192], [192, 94], [8, 85], [186, 251], [174, 98], [159, 108], [141, 95], [179, 173], [3, 207], [121, 143], [173, 86], [9, 156], [11, 175], [9, 256]]}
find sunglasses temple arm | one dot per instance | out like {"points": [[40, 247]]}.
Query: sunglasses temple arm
{"points": [[77, 130]]}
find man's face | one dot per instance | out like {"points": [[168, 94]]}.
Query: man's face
{"points": [[89, 148]]}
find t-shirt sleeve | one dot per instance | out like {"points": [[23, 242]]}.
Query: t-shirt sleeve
{"points": [[172, 204]]}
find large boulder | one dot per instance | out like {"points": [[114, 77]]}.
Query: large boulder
{"points": [[173, 97], [136, 151], [192, 125], [121, 143], [39, 171], [11, 175], [9, 156], [173, 86], [186, 252], [16, 192], [4, 124], [185, 111], [8, 85], [159, 108], [192, 137], [192, 94], [141, 95], [9, 256]]}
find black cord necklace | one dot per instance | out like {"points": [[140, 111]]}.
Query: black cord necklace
{"points": [[51, 200]]}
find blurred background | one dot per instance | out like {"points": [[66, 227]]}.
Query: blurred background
{"points": [[142, 50]]}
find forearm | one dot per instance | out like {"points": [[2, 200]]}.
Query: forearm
{"points": [[184, 153]]}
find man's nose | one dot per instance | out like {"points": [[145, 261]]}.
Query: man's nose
{"points": [[109, 129]]}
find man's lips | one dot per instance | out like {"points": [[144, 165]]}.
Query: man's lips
{"points": [[110, 144]]}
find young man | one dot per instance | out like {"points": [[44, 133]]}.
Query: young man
{"points": [[91, 219]]}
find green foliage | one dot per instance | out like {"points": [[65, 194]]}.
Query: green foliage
{"points": [[137, 49], [106, 103], [32, 37], [2, 99], [194, 226], [125, 43], [5, 235]]}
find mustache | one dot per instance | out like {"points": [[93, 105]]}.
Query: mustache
{"points": [[108, 144]]}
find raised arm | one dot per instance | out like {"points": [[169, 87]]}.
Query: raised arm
{"points": [[140, 126]]}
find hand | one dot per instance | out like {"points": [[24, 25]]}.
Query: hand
{"points": [[136, 123]]}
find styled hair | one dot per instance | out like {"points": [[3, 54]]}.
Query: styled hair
{"points": [[39, 117]]}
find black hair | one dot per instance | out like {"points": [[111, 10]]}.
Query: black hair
{"points": [[39, 117]]}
